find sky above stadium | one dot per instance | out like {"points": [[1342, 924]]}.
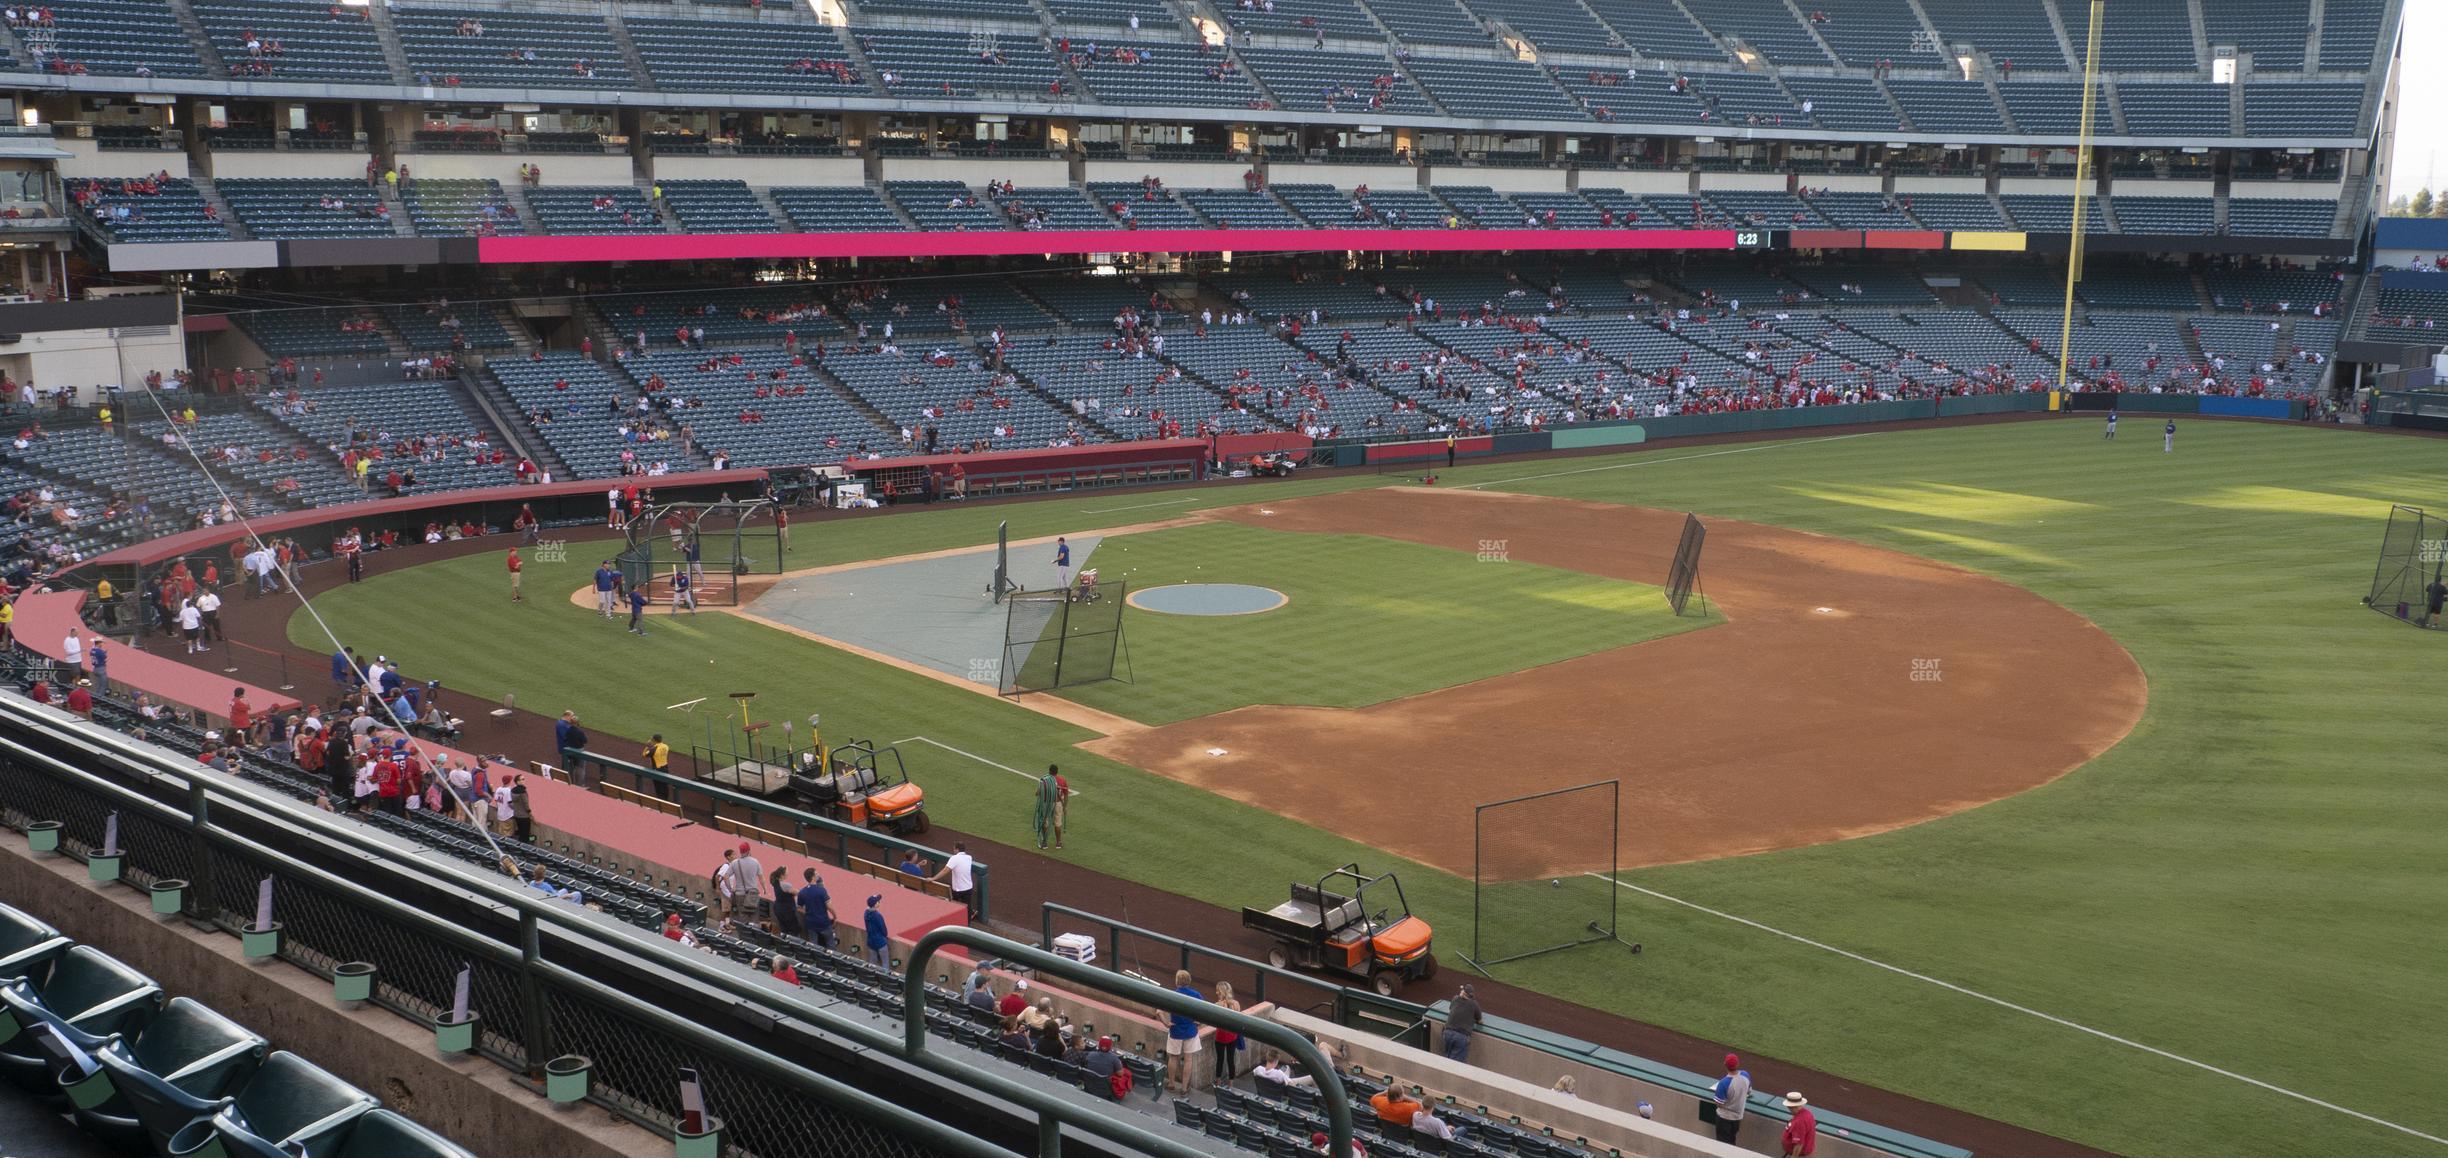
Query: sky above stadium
{"points": [[2422, 100]]}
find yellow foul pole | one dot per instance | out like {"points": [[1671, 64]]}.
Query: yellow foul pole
{"points": [[2082, 183]]}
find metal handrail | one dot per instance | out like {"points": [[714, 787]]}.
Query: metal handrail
{"points": [[533, 911], [858, 1101], [1335, 1098]]}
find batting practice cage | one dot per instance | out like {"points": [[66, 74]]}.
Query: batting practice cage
{"points": [[2412, 556], [729, 539], [1544, 873], [1061, 638], [1684, 574]]}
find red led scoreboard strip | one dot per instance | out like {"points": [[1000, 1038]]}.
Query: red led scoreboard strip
{"points": [[989, 243]]}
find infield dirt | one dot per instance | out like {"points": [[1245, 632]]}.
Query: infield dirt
{"points": [[1852, 690]]}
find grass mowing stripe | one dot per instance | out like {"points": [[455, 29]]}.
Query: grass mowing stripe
{"points": [[1368, 619], [1657, 460], [2024, 1009]]}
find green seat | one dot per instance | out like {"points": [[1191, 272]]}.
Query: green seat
{"points": [[88, 997], [383, 1134], [290, 1100], [27, 946], [181, 1068]]}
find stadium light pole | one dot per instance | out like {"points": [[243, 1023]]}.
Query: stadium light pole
{"points": [[2082, 176]]}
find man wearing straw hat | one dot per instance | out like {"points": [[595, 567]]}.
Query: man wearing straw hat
{"points": [[1801, 1135]]}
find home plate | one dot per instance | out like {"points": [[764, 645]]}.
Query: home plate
{"points": [[1215, 751]]}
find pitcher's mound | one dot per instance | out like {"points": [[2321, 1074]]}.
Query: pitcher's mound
{"points": [[1208, 599]]}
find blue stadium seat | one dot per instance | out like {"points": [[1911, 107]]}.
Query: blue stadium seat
{"points": [[1865, 32], [2280, 217], [180, 1068], [2273, 31], [120, 38], [314, 41], [837, 209], [513, 49], [1852, 103], [2307, 110], [296, 208], [27, 945], [593, 209], [1947, 106], [87, 997], [767, 56], [1309, 81], [1769, 27], [2020, 33], [716, 207], [2138, 36], [1507, 89], [290, 1100], [2156, 109]]}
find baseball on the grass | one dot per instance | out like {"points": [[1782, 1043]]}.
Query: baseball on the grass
{"points": [[1555, 882]]}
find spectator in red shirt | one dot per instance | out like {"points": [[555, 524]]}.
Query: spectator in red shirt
{"points": [[1014, 1001], [388, 786], [241, 715], [1801, 1136], [80, 699]]}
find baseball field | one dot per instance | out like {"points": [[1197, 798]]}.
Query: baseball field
{"points": [[2058, 780]]}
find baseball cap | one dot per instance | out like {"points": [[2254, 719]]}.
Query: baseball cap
{"points": [[1733, 1062]]}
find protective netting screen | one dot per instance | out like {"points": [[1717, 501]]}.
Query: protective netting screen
{"points": [[2413, 556], [714, 543], [1545, 872], [1061, 638], [1684, 573]]}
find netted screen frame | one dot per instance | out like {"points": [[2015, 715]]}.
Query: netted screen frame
{"points": [[1519, 869], [1684, 573], [730, 545], [2413, 555], [1060, 638]]}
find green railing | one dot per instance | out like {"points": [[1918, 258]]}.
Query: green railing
{"points": [[567, 976]]}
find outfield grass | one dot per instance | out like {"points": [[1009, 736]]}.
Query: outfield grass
{"points": [[1368, 620], [2250, 879]]}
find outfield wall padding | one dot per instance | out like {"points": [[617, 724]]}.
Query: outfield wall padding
{"points": [[1799, 418], [1612, 434], [1992, 404], [2251, 407]]}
